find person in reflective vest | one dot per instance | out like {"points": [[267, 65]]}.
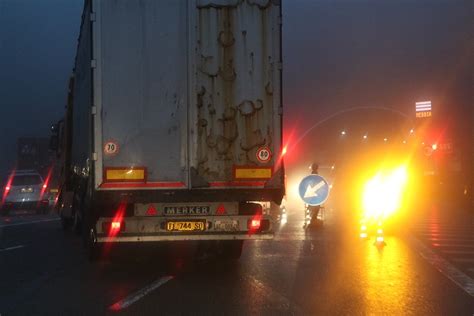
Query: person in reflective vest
{"points": [[313, 210]]}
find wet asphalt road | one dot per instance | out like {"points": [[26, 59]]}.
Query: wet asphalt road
{"points": [[327, 271]]}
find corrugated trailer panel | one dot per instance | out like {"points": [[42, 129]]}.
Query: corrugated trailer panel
{"points": [[238, 89]]}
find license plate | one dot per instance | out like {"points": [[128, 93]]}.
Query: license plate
{"points": [[226, 225], [185, 226], [27, 190]]}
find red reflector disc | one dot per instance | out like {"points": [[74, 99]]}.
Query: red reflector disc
{"points": [[151, 211], [220, 210]]}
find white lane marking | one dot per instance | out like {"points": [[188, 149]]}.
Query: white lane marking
{"points": [[464, 260], [443, 229], [30, 222], [461, 240], [134, 297], [459, 252], [11, 248], [450, 271], [453, 245], [436, 234]]}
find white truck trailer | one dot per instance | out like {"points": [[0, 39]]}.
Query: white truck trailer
{"points": [[173, 128]]}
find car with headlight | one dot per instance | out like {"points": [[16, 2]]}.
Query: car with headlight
{"points": [[24, 190]]}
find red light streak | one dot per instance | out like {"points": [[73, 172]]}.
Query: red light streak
{"points": [[46, 182], [118, 219], [8, 187]]}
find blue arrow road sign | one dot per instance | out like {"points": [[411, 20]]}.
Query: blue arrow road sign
{"points": [[314, 190]]}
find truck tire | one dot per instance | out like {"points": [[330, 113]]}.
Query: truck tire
{"points": [[76, 223], [89, 240], [93, 248], [230, 249]]}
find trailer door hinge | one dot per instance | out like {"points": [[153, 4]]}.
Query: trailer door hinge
{"points": [[94, 156], [92, 17], [93, 63], [94, 110]]}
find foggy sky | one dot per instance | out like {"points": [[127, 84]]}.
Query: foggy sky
{"points": [[338, 54], [37, 48]]}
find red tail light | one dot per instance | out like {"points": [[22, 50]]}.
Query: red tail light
{"points": [[255, 224], [7, 188], [115, 226], [44, 186]]}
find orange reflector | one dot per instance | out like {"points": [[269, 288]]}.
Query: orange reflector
{"points": [[253, 173], [125, 174]]}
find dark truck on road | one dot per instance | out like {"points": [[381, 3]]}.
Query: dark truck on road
{"points": [[173, 128]]}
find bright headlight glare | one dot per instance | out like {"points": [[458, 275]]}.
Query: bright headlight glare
{"points": [[382, 195]]}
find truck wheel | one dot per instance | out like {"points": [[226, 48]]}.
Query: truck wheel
{"points": [[76, 223], [89, 238], [231, 249], [93, 248]]}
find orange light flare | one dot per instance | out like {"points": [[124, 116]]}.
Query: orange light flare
{"points": [[8, 187]]}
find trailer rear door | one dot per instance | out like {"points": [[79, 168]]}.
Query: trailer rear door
{"points": [[141, 93], [237, 112], [187, 93]]}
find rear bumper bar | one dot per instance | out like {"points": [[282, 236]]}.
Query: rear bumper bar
{"points": [[265, 236], [148, 229]]}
